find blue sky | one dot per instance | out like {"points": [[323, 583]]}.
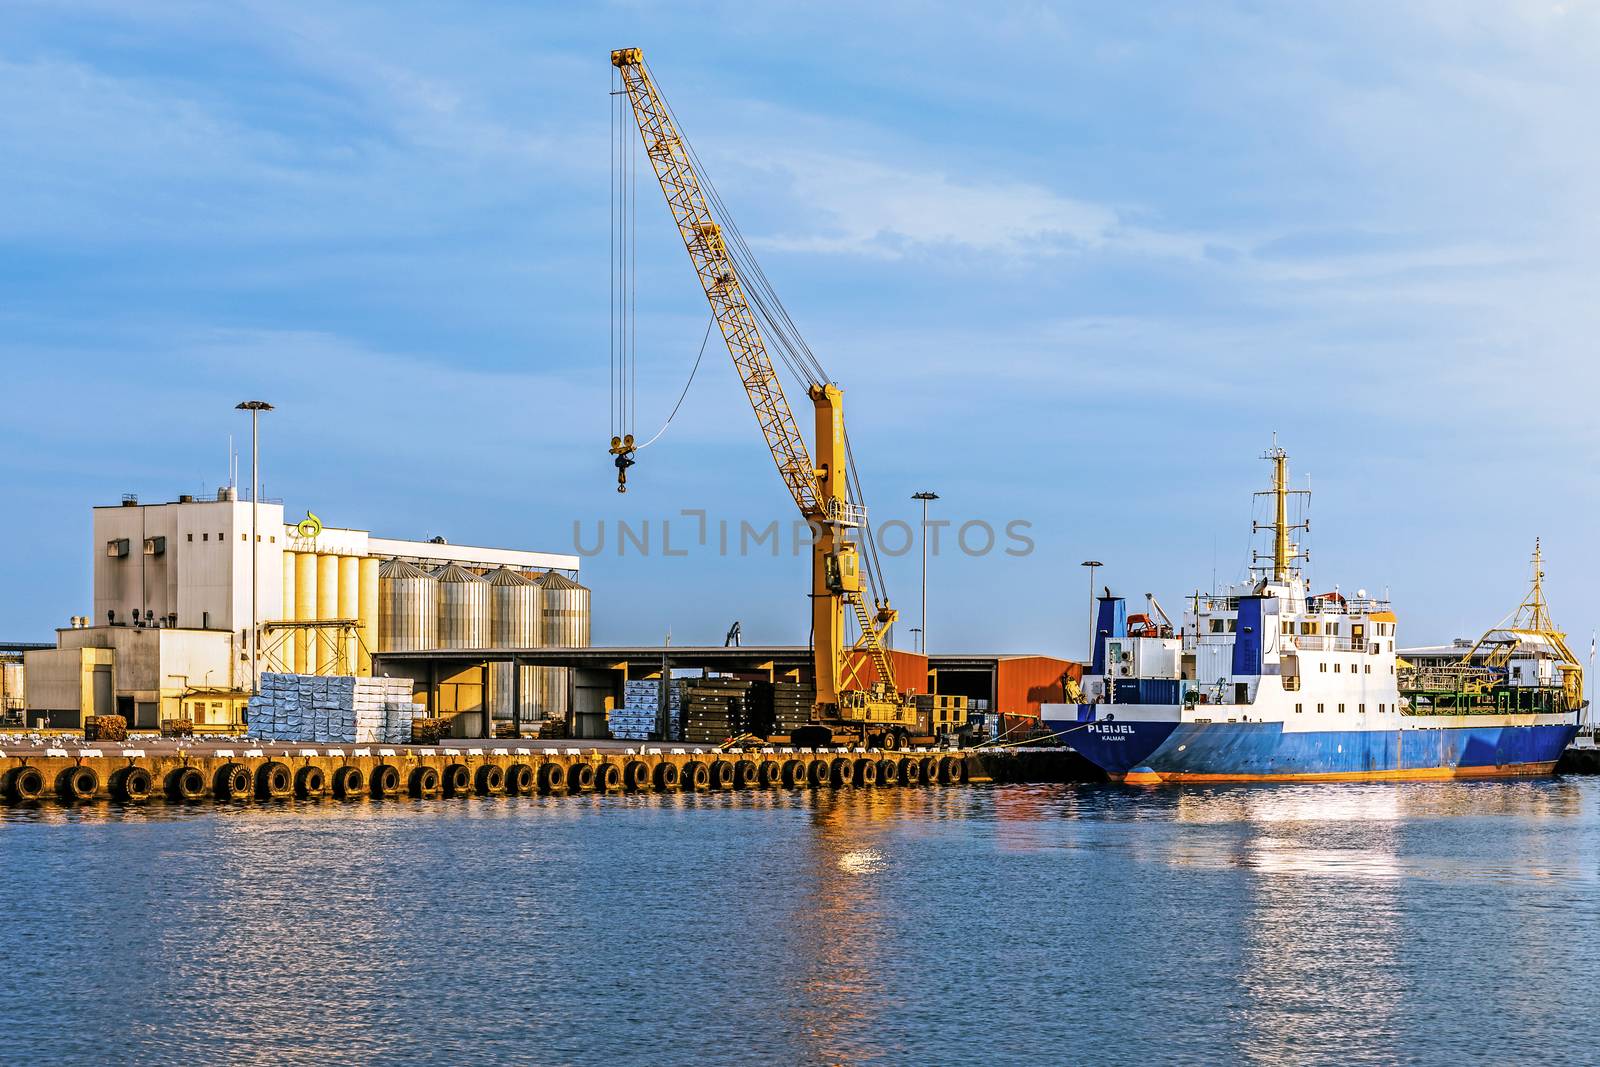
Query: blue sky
{"points": [[1073, 264]]}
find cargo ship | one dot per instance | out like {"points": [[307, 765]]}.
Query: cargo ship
{"points": [[1266, 680]]}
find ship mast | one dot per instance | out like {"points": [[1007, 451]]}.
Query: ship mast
{"points": [[1284, 551]]}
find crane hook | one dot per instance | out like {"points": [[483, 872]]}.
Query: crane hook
{"points": [[622, 448]]}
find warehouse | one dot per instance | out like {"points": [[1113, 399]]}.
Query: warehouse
{"points": [[173, 602]]}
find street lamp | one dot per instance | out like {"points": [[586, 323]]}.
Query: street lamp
{"points": [[1092, 564], [255, 408], [922, 633]]}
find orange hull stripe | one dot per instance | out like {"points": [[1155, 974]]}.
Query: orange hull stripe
{"points": [[1518, 770]]}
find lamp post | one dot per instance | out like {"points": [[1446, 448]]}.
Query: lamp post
{"points": [[255, 408], [922, 633], [1092, 564]]}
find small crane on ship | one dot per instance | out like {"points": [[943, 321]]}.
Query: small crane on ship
{"points": [[825, 488]]}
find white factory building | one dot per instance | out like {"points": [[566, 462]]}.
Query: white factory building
{"points": [[169, 634]]}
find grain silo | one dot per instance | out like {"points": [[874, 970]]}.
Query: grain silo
{"points": [[463, 608], [564, 624], [408, 608], [515, 621]]}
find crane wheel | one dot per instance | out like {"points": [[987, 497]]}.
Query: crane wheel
{"points": [[770, 774], [844, 773], [667, 776], [457, 780], [910, 771], [385, 781], [131, 785], [491, 779], [610, 777], [696, 775], [348, 783], [888, 772], [186, 783], [866, 772], [519, 779], [636, 776], [310, 782], [817, 773], [425, 782], [274, 782], [232, 783], [552, 778]]}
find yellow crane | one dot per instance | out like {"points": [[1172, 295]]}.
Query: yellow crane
{"points": [[846, 705]]}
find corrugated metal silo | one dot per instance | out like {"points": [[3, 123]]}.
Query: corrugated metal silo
{"points": [[408, 608], [515, 621], [463, 608], [564, 624]]}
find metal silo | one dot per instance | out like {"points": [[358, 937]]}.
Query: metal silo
{"points": [[564, 624], [463, 608], [408, 608], [515, 621]]}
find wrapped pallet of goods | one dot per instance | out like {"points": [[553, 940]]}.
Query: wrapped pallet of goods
{"points": [[636, 719], [716, 709]]}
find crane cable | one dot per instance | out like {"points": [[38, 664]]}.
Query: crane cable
{"points": [[685, 392]]}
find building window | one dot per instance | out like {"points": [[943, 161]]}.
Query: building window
{"points": [[1216, 626], [244, 537], [1323, 667], [1319, 709], [1333, 629], [1369, 669], [1341, 709], [272, 539], [1362, 708], [191, 537], [1337, 667], [1298, 708], [221, 538], [205, 537]]}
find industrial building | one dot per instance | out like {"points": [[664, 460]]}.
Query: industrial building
{"points": [[169, 637]]}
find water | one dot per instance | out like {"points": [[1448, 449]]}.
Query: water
{"points": [[1377, 923]]}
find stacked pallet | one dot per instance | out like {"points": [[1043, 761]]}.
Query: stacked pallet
{"points": [[306, 707], [716, 709], [791, 707], [635, 720]]}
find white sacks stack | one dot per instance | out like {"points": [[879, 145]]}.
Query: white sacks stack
{"points": [[341, 709], [636, 719]]}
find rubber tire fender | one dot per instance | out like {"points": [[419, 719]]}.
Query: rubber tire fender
{"points": [[491, 779], [77, 784], [274, 781], [667, 776], [696, 775], [349, 783], [794, 773], [888, 772], [745, 774], [519, 779], [770, 774], [186, 783], [424, 782], [131, 785], [25, 783], [309, 781], [722, 775], [385, 781], [817, 773], [232, 782], [610, 777], [910, 771], [580, 778], [866, 772], [843, 773], [457, 780], [636, 776], [552, 777]]}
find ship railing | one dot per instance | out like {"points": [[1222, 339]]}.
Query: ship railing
{"points": [[1327, 605], [1323, 643]]}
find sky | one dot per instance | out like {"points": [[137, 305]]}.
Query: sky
{"points": [[1074, 265]]}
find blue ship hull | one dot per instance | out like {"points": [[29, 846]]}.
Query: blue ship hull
{"points": [[1168, 751]]}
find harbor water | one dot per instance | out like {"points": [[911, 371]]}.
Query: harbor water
{"points": [[1359, 923]]}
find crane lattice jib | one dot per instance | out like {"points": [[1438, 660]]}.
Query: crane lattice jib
{"points": [[702, 236]]}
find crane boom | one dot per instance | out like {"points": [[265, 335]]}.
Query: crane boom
{"points": [[702, 236], [820, 486]]}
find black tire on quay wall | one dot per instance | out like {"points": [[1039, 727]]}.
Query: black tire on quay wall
{"points": [[770, 774], [888, 772], [424, 782], [745, 774], [274, 782], [233, 782], [24, 784], [385, 780], [794, 773], [186, 783], [844, 772], [77, 784], [309, 781], [930, 770], [552, 778], [722, 775], [911, 771], [610, 777], [696, 775], [519, 779], [457, 780], [580, 778], [866, 772], [636, 776], [491, 779], [817, 773], [349, 783], [131, 785], [667, 776]]}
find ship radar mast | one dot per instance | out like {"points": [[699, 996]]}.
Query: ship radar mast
{"points": [[1284, 550]]}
